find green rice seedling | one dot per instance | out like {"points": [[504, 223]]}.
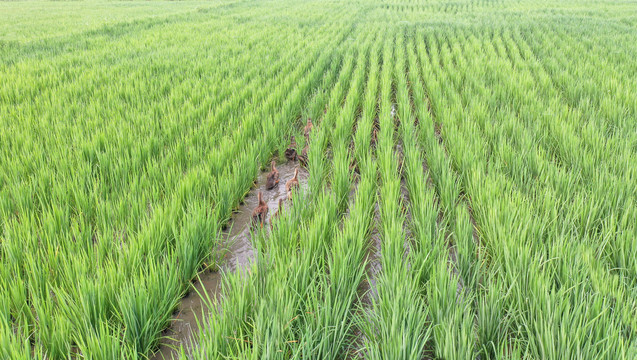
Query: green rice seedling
{"points": [[396, 325], [505, 132], [280, 243], [332, 332], [53, 330], [452, 316], [328, 332], [492, 320], [145, 307], [155, 249], [194, 244], [467, 261], [292, 279], [427, 229], [341, 179], [316, 154], [560, 257], [460, 335], [103, 342]]}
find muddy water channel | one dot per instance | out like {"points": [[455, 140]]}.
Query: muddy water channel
{"points": [[239, 254]]}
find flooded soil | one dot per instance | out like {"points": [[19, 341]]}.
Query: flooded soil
{"points": [[240, 252], [192, 306], [239, 256], [367, 289]]}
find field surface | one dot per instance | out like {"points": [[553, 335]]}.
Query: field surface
{"points": [[468, 189]]}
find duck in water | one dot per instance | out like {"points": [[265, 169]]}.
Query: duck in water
{"points": [[273, 177], [293, 183], [290, 152], [260, 212]]}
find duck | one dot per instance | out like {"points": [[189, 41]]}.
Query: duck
{"points": [[278, 211], [290, 152], [273, 177], [276, 214], [260, 212], [308, 128], [303, 157], [293, 183]]}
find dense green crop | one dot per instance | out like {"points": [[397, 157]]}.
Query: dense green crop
{"points": [[472, 185]]}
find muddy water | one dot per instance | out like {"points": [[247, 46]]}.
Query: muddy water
{"points": [[239, 256], [240, 251], [184, 323]]}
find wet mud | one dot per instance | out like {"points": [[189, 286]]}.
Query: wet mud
{"points": [[192, 307], [240, 252], [239, 255]]}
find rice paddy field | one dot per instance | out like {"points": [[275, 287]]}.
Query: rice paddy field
{"points": [[467, 190]]}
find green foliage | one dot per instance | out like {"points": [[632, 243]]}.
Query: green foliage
{"points": [[491, 147]]}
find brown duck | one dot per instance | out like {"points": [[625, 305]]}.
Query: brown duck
{"points": [[278, 211], [273, 177], [290, 152], [293, 183], [260, 212], [303, 157], [308, 128]]}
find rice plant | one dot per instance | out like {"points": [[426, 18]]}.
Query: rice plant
{"points": [[488, 148]]}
